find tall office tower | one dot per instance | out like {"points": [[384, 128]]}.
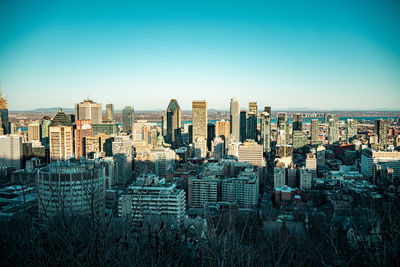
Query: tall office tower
{"points": [[243, 126], [109, 112], [128, 118], [242, 190], [61, 137], [333, 130], [202, 191], [266, 131], [44, 131], [200, 147], [235, 119], [11, 151], [252, 153], [4, 114], [12, 127], [83, 129], [140, 131], [122, 154], [33, 132], [252, 121], [89, 110], [326, 118], [351, 129], [222, 129], [152, 198], [305, 178], [218, 147], [283, 126], [279, 177], [297, 122], [163, 124], [253, 107], [268, 109], [200, 119], [210, 135], [71, 188], [314, 132], [311, 163], [173, 123], [381, 130]]}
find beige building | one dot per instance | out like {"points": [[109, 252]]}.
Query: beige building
{"points": [[33, 132], [89, 110], [61, 142], [235, 119], [222, 129], [251, 152], [200, 119]]}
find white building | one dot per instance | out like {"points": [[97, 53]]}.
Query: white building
{"points": [[164, 161], [151, 198], [11, 151], [279, 177], [311, 163], [218, 147], [200, 147], [305, 178], [252, 153], [202, 190], [370, 157], [242, 190], [71, 188]]}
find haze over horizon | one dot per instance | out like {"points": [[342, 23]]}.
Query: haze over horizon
{"points": [[342, 55]]}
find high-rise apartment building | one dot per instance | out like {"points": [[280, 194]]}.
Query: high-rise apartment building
{"points": [[381, 130], [83, 129], [299, 140], [351, 130], [297, 122], [202, 191], [200, 119], [173, 123], [306, 178], [266, 131], [128, 118], [252, 153], [311, 164], [109, 112], [33, 132], [235, 119], [89, 110], [314, 132], [279, 177], [61, 137], [333, 130], [243, 126], [151, 198], [242, 190]]}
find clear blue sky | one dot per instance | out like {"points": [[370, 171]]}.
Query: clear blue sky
{"points": [[286, 54]]}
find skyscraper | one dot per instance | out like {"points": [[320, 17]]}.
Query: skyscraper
{"points": [[33, 132], [61, 137], [333, 130], [381, 130], [235, 119], [222, 129], [173, 123], [252, 153], [44, 128], [89, 110], [109, 112], [243, 126], [351, 129], [200, 119], [4, 114], [266, 130], [83, 129], [252, 121], [297, 122], [163, 124], [283, 127], [314, 132], [128, 118]]}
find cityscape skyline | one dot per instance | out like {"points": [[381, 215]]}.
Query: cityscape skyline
{"points": [[344, 56]]}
